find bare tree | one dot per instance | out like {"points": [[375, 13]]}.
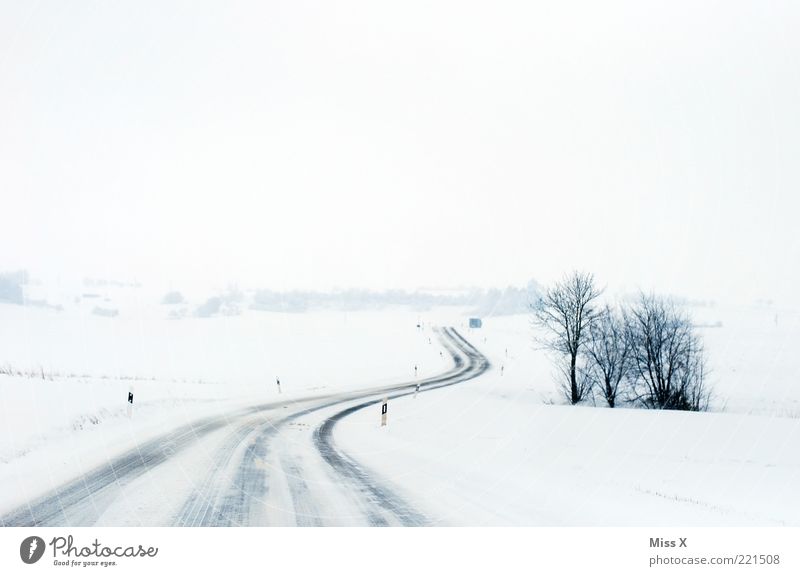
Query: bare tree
{"points": [[695, 393], [607, 351], [566, 311], [667, 360]]}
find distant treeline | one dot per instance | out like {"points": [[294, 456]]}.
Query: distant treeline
{"points": [[493, 302], [476, 301]]}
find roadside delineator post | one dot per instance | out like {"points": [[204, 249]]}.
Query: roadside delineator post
{"points": [[384, 410], [416, 390], [130, 401], [278, 380]]}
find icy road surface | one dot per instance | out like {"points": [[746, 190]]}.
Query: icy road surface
{"points": [[270, 464]]}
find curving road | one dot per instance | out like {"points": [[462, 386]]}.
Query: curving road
{"points": [[270, 464]]}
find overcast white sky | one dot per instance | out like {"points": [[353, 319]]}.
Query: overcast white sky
{"points": [[403, 144]]}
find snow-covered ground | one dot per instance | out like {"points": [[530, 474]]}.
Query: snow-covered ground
{"points": [[494, 450], [500, 449], [752, 353], [67, 411]]}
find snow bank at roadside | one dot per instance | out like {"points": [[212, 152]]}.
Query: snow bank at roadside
{"points": [[488, 455]]}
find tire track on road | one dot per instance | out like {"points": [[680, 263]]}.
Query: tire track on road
{"points": [[374, 491], [235, 502]]}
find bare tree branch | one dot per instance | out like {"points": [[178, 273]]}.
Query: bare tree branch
{"points": [[607, 350], [566, 311], [666, 358]]}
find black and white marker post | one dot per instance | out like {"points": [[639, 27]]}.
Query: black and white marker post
{"points": [[416, 390], [278, 380], [384, 410], [130, 401]]}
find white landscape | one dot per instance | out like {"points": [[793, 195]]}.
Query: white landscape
{"points": [[500, 448], [525, 267]]}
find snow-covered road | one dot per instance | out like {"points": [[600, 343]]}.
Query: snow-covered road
{"points": [[270, 464]]}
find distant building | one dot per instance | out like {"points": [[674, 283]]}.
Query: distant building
{"points": [[475, 323]]}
